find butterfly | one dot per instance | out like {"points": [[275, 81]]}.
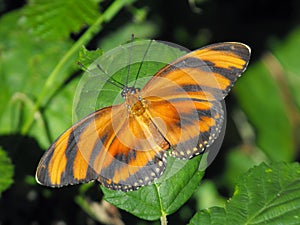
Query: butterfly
{"points": [[177, 112]]}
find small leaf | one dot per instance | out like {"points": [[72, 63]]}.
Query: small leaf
{"points": [[6, 171], [86, 57], [263, 195]]}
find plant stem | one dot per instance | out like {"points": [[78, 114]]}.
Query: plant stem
{"points": [[163, 220], [109, 13]]}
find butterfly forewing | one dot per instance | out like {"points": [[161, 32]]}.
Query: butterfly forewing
{"points": [[209, 72], [190, 90]]}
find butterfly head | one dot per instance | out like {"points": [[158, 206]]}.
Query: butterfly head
{"points": [[135, 104], [129, 90]]}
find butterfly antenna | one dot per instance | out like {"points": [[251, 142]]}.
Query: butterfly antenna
{"points": [[110, 79], [141, 64], [130, 59]]}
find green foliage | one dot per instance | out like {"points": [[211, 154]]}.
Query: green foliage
{"points": [[273, 107], [6, 171], [39, 76], [285, 60], [263, 195], [238, 162], [44, 18], [26, 63], [266, 109]]}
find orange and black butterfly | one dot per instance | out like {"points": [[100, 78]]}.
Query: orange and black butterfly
{"points": [[125, 146]]}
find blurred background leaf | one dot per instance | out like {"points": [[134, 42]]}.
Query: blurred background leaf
{"points": [[25, 64], [261, 99], [44, 18]]}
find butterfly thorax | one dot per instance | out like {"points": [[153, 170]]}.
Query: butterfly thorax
{"points": [[135, 104]]}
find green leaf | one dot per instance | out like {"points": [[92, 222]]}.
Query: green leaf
{"points": [[86, 57], [260, 98], [58, 19], [163, 197], [263, 195], [25, 65], [269, 94], [286, 53], [6, 171]]}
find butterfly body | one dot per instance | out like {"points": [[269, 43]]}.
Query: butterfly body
{"points": [[125, 146], [136, 105]]}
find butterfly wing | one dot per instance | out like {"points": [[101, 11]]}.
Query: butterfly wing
{"points": [[207, 73], [186, 95], [189, 125], [124, 151], [137, 154], [116, 150], [68, 160]]}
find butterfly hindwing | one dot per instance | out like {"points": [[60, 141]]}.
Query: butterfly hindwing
{"points": [[70, 158], [136, 156], [107, 148], [188, 125]]}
